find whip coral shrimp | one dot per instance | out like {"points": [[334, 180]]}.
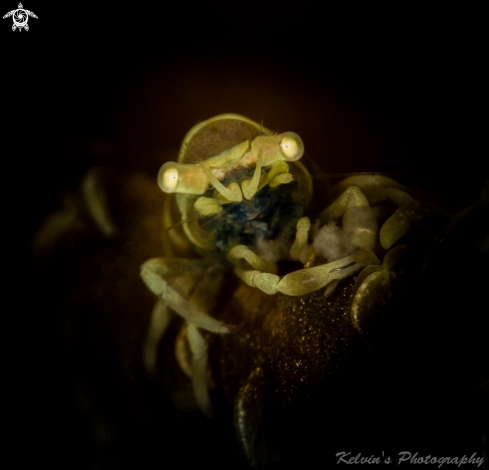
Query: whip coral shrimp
{"points": [[241, 201]]}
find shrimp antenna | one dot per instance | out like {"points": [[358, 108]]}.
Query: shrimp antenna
{"points": [[319, 173], [181, 222]]}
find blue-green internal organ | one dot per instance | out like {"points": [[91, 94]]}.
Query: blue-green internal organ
{"points": [[270, 213]]}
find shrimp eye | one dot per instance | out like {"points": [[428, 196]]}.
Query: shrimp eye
{"points": [[292, 146], [168, 178]]}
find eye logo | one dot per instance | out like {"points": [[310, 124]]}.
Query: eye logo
{"points": [[20, 17]]}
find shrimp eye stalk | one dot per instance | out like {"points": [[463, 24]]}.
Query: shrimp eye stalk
{"points": [[180, 178], [291, 146], [168, 178]]}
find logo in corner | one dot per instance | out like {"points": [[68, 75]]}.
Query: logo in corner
{"points": [[20, 17]]}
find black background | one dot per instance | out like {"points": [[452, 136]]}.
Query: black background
{"points": [[393, 89], [396, 89]]}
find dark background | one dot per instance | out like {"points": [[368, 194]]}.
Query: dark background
{"points": [[368, 89], [388, 90]]}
